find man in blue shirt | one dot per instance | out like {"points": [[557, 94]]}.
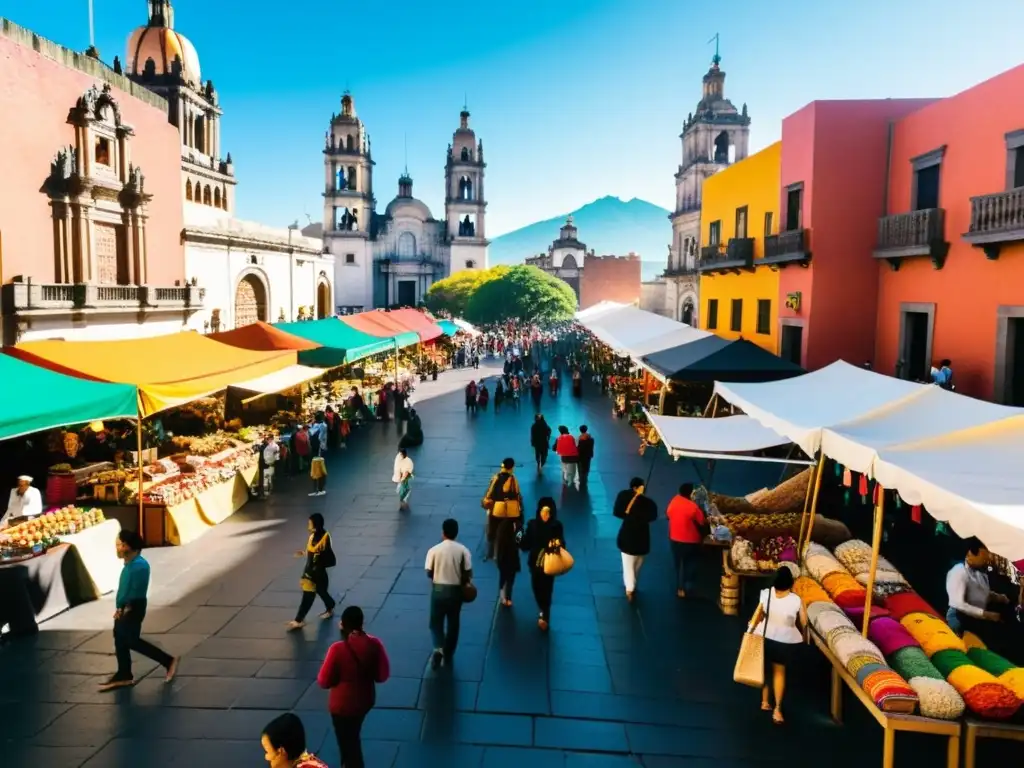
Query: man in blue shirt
{"points": [[130, 605]]}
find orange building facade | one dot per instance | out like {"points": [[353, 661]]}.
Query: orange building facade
{"points": [[950, 251], [609, 278]]}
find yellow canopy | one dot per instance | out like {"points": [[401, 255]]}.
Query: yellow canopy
{"points": [[279, 381], [168, 370]]}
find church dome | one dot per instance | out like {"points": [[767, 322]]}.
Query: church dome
{"points": [[408, 206], [160, 42]]}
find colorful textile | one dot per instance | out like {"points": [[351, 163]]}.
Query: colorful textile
{"points": [[991, 662], [991, 700], [905, 603], [844, 589], [911, 662], [832, 620], [890, 692], [890, 636], [933, 634], [815, 611], [866, 669], [971, 640], [858, 663], [948, 661], [937, 698], [1013, 679], [819, 566], [851, 644], [856, 613]]}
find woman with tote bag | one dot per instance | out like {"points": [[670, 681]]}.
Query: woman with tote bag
{"points": [[783, 614]]}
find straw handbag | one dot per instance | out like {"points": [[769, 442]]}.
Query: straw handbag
{"points": [[556, 560], [749, 669]]}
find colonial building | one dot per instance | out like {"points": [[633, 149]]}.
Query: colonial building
{"points": [[90, 213], [249, 271], [392, 259], [714, 136], [565, 257]]}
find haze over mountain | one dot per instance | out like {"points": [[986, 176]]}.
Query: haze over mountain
{"points": [[609, 226]]}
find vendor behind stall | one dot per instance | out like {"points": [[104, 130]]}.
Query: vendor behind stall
{"points": [[25, 502], [975, 607]]}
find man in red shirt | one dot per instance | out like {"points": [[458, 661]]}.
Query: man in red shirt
{"points": [[565, 447], [685, 521]]}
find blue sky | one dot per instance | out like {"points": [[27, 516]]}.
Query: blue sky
{"points": [[574, 99]]}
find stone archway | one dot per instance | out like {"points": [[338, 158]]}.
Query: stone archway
{"points": [[688, 310], [250, 300], [323, 300]]}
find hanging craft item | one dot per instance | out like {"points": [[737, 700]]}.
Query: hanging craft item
{"points": [[847, 478], [942, 528], [899, 502], [874, 495], [838, 468], [846, 497], [915, 513], [862, 488]]}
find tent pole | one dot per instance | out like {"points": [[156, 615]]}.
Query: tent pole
{"points": [[711, 402], [661, 398], [807, 501], [714, 407], [396, 362], [138, 445], [876, 544], [814, 503]]}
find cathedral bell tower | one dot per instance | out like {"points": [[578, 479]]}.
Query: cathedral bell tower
{"points": [[464, 203], [714, 136], [348, 175]]}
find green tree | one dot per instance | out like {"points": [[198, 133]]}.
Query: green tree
{"points": [[522, 293], [452, 294]]}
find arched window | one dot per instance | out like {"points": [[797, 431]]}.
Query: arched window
{"points": [[216, 197], [199, 137], [352, 178], [466, 188], [350, 143], [569, 262], [722, 148], [406, 245], [465, 153], [207, 195], [188, 189]]}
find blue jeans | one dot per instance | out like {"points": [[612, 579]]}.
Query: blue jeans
{"points": [[685, 557], [445, 606]]}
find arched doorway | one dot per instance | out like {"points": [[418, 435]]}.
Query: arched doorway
{"points": [[250, 301], [686, 314], [323, 300]]}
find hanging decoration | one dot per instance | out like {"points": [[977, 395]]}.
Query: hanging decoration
{"points": [[846, 497], [915, 513], [862, 488], [847, 478], [838, 469]]}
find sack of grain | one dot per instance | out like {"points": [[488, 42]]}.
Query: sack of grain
{"points": [[786, 497], [731, 505]]}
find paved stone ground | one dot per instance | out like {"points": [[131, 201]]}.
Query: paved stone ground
{"points": [[612, 685]]}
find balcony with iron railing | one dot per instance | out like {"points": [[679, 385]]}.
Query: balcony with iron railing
{"points": [[917, 233], [996, 220], [737, 255], [787, 248]]}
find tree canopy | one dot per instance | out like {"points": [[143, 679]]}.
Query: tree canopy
{"points": [[452, 294], [522, 293]]}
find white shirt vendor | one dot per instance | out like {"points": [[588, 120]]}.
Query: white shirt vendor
{"points": [[25, 502], [968, 590]]}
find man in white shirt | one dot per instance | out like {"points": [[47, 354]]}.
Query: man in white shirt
{"points": [[271, 453], [25, 502], [402, 477], [971, 602], [449, 567]]}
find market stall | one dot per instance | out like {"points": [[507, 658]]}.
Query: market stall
{"points": [[61, 559], [716, 359], [340, 342]]}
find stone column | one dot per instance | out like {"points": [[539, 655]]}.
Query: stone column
{"points": [[139, 218]]}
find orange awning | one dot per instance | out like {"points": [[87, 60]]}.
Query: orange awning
{"points": [[168, 370], [263, 337], [418, 322]]}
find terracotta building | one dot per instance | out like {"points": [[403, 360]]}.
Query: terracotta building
{"points": [[90, 209], [950, 251], [610, 278], [565, 257]]}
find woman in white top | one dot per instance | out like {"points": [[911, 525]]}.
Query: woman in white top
{"points": [[782, 633]]}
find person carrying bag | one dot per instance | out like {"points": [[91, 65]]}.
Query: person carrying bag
{"points": [[503, 501]]}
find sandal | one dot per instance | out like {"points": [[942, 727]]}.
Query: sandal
{"points": [[294, 625], [777, 717], [327, 615]]}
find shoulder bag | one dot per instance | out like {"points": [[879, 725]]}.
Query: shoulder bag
{"points": [[488, 502], [327, 558], [556, 560], [749, 669]]}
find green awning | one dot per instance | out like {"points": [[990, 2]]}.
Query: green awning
{"points": [[449, 327], [340, 343], [34, 399]]}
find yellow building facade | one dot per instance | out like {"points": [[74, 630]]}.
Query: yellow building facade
{"points": [[739, 296]]}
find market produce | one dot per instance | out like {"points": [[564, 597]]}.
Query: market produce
{"points": [[109, 476], [755, 527], [731, 505], [38, 534], [177, 488], [742, 555], [785, 497]]}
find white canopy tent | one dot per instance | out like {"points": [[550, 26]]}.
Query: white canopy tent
{"points": [[279, 381], [972, 479], [729, 437], [467, 327], [800, 408], [932, 413], [634, 332]]}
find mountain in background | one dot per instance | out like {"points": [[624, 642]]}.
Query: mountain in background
{"points": [[609, 226]]}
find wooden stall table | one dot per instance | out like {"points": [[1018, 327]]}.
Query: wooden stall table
{"points": [[730, 597], [891, 722], [975, 729]]}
